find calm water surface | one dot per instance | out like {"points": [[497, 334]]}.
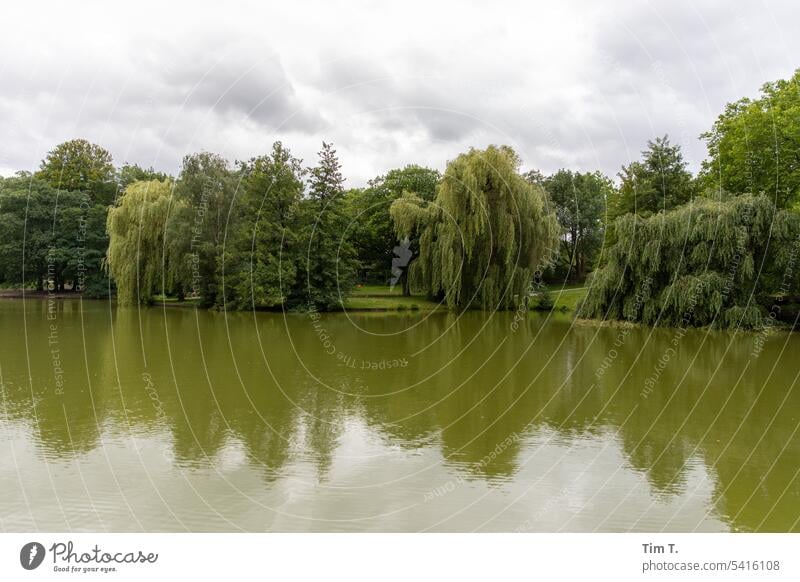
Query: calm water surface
{"points": [[175, 419]]}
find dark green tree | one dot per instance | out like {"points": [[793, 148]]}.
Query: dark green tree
{"points": [[206, 188], [49, 238], [580, 202], [371, 228], [659, 181], [328, 262], [80, 166], [262, 257]]}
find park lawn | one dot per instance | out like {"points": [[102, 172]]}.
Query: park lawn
{"points": [[377, 291], [565, 298], [384, 298]]}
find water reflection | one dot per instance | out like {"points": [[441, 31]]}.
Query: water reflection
{"points": [[170, 419]]}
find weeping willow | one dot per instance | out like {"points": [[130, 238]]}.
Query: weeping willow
{"points": [[136, 249], [709, 262], [484, 235]]}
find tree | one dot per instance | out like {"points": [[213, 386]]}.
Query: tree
{"points": [[81, 166], [709, 262], [580, 201], [50, 238], [660, 181], [328, 262], [486, 233], [261, 266], [754, 145], [206, 188], [413, 219], [137, 225], [130, 173], [371, 227]]}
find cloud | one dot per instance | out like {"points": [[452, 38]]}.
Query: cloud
{"points": [[572, 84]]}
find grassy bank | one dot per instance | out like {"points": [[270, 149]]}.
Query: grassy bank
{"points": [[563, 298], [384, 298]]}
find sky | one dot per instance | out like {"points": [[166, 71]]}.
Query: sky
{"points": [[568, 84]]}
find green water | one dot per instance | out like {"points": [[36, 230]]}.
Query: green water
{"points": [[175, 419]]}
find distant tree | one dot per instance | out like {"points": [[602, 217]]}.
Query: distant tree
{"points": [[580, 202], [328, 261], [263, 253], [535, 177], [137, 226], [80, 166], [371, 228], [708, 262], [660, 181], [754, 145], [487, 231], [130, 173]]}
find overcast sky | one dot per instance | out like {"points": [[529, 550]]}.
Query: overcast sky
{"points": [[568, 84]]}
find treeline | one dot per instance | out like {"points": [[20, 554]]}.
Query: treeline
{"points": [[271, 232]]}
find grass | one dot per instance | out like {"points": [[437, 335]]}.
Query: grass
{"points": [[384, 298], [565, 298], [377, 291]]}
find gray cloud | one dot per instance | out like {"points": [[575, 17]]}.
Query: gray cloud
{"points": [[572, 84]]}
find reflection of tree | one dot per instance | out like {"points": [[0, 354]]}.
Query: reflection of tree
{"points": [[293, 401], [66, 418]]}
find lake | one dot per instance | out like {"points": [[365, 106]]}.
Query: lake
{"points": [[176, 419]]}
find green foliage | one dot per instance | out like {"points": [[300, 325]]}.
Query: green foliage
{"points": [[754, 145], [544, 301], [707, 262], [658, 182], [50, 238], [206, 188], [371, 228], [580, 201], [328, 262], [137, 226], [262, 260], [130, 173], [484, 235], [78, 165]]}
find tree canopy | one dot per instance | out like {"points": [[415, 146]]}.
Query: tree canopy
{"points": [[659, 181], [580, 203], [80, 166], [372, 229], [709, 262], [328, 262], [137, 225], [262, 256], [206, 189], [50, 238], [485, 233], [754, 145]]}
